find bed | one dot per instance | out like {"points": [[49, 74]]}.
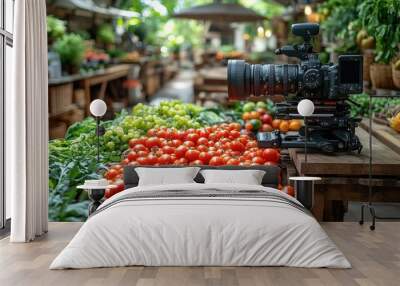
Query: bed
{"points": [[201, 224]]}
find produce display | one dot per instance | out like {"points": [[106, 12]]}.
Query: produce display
{"points": [[256, 118], [360, 107], [170, 133], [395, 122], [212, 145]]}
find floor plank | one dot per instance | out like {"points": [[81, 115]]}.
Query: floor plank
{"points": [[375, 257]]}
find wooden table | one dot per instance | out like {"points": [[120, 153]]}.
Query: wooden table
{"points": [[103, 79], [345, 176], [87, 80]]}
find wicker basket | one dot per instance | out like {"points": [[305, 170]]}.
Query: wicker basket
{"points": [[396, 77], [381, 76], [368, 60]]}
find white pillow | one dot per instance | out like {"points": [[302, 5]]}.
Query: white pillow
{"points": [[248, 177], [166, 176]]}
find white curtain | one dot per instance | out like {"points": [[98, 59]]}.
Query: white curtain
{"points": [[27, 124]]}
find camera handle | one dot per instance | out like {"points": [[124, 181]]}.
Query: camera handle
{"points": [[301, 52]]}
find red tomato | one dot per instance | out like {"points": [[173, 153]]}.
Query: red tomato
{"points": [[132, 156], [168, 150], [227, 146], [192, 137], [181, 161], [162, 133], [233, 134], [258, 160], [205, 157], [243, 139], [213, 137], [235, 126], [237, 146], [233, 162], [192, 155], [133, 163], [164, 159], [271, 155], [216, 161], [181, 151], [266, 128], [251, 144], [289, 190], [197, 162], [152, 132], [108, 193], [136, 141], [139, 147], [125, 161], [266, 119], [142, 160], [153, 142], [142, 153], [202, 148], [152, 159], [202, 141], [248, 126], [111, 174], [189, 143], [203, 133], [176, 143]]}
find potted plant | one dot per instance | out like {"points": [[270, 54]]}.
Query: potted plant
{"points": [[380, 18], [106, 36], [396, 73], [55, 29], [71, 48]]}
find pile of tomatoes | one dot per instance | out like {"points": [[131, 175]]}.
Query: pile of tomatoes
{"points": [[261, 121], [215, 145]]}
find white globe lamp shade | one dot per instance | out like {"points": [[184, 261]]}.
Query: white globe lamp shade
{"points": [[305, 107], [98, 108]]}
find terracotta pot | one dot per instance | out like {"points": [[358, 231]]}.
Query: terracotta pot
{"points": [[368, 60], [396, 76], [381, 76]]}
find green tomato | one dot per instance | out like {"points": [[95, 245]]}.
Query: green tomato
{"points": [[110, 145], [249, 106], [262, 104], [255, 123]]}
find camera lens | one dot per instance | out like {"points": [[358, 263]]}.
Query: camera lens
{"points": [[245, 79]]}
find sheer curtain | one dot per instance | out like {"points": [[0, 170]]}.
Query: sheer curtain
{"points": [[27, 124]]}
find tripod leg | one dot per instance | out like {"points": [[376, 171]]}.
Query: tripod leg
{"points": [[361, 222], [372, 211]]}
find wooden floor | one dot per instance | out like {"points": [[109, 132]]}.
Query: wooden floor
{"points": [[375, 257]]}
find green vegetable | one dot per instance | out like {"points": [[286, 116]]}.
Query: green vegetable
{"points": [[55, 27], [381, 20], [71, 49], [105, 34], [249, 106]]}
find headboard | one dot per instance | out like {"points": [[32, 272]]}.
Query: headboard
{"points": [[270, 179]]}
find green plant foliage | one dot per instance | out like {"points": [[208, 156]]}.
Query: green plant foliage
{"points": [[71, 49], [361, 108], [106, 34], [341, 23], [381, 19], [55, 27]]}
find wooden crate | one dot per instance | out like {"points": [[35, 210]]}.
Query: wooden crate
{"points": [[60, 98], [73, 116], [57, 129], [79, 98]]}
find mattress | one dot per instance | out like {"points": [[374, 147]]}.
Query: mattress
{"points": [[201, 225]]}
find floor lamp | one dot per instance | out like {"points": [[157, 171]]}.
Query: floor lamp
{"points": [[98, 108]]}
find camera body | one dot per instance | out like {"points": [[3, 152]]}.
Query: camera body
{"points": [[309, 79], [328, 86]]}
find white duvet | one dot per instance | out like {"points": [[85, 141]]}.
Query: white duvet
{"points": [[200, 231]]}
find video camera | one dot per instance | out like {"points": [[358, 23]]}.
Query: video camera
{"points": [[331, 129]]}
